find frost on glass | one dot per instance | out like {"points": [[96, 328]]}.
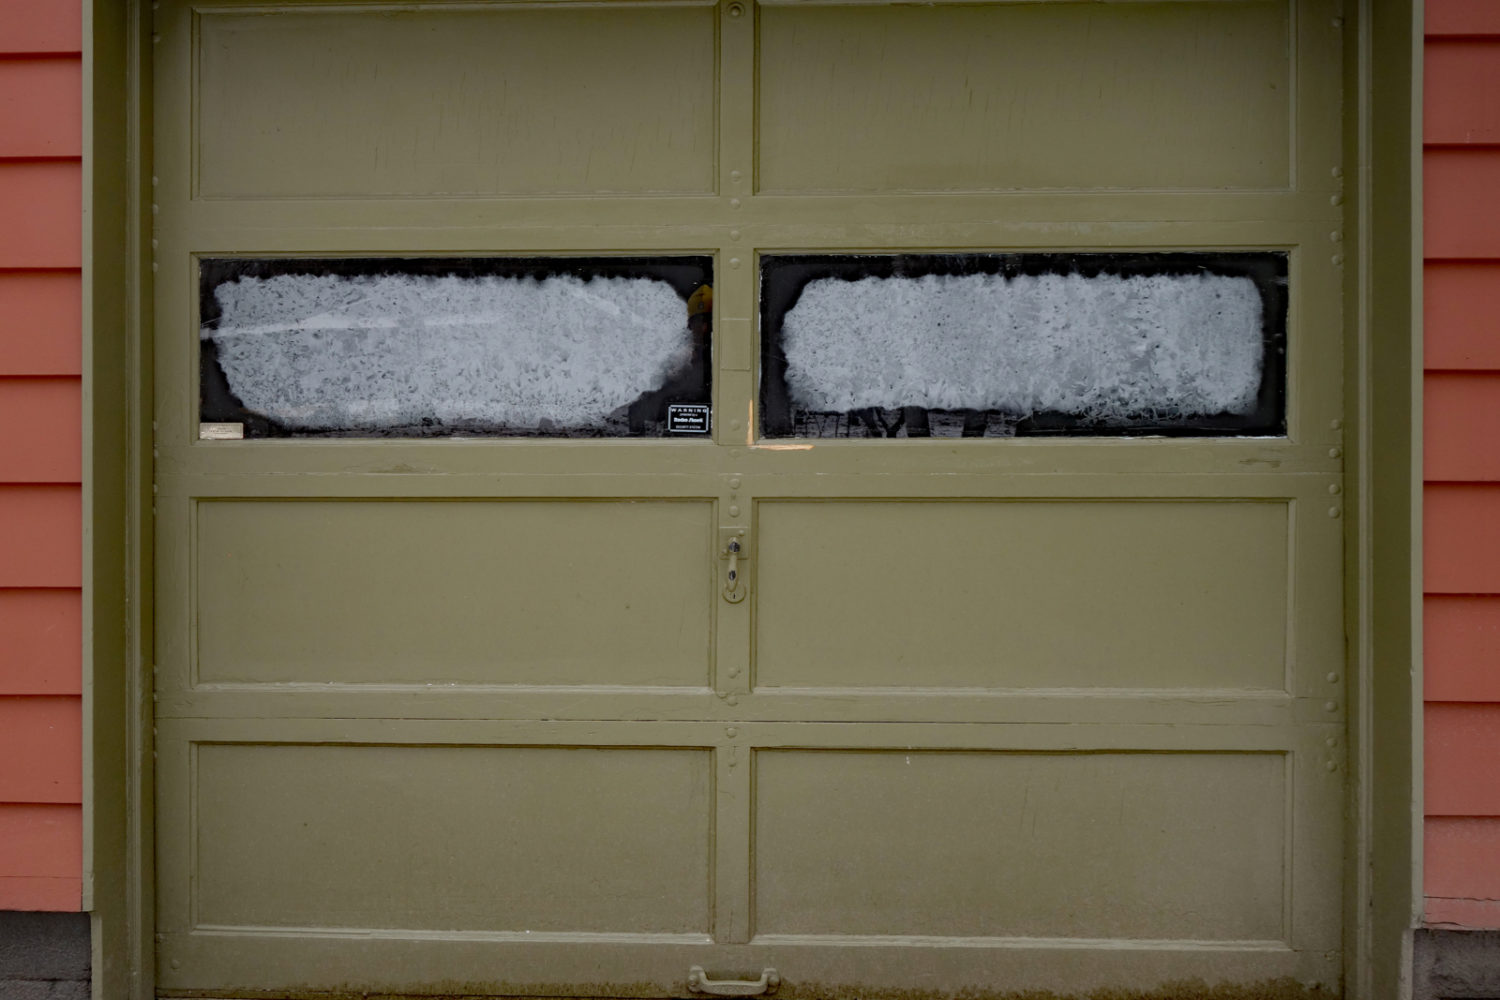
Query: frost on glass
{"points": [[559, 347], [972, 345]]}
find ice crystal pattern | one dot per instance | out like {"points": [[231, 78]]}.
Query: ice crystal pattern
{"points": [[322, 352], [1104, 347]]}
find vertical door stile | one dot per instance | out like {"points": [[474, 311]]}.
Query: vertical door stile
{"points": [[734, 388]]}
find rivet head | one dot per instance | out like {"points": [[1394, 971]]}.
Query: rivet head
{"points": [[1332, 741], [1334, 512], [176, 963], [1331, 766], [1337, 171], [736, 10], [1335, 453], [731, 732], [1333, 677], [1337, 199], [733, 700], [734, 234], [734, 203], [735, 175], [1337, 260], [1336, 236], [1335, 424], [734, 482], [734, 262], [1334, 489], [734, 510], [1330, 706]]}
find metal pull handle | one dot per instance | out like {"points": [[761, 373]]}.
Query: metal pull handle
{"points": [[734, 595], [698, 982]]}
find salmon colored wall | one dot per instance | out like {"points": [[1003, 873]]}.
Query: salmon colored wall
{"points": [[41, 640], [1461, 441]]}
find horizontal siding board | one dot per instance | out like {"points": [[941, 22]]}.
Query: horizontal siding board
{"points": [[1442, 912], [41, 642], [1461, 426], [41, 107], [41, 750], [41, 430], [1461, 532], [41, 536], [1461, 857], [1461, 17], [1462, 79], [41, 840], [1461, 330], [41, 214], [43, 313], [31, 26], [41, 893], [1462, 745], [1461, 203], [1461, 648]]}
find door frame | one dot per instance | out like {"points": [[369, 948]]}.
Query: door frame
{"points": [[1382, 139]]}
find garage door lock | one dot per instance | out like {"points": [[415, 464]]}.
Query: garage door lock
{"points": [[734, 592], [698, 982]]}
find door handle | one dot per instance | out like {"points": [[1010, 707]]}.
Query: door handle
{"points": [[698, 982], [734, 594]]}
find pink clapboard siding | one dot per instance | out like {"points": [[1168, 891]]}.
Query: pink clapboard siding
{"points": [[41, 641], [1461, 463]]}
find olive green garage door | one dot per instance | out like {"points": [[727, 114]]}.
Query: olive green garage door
{"points": [[993, 348]]}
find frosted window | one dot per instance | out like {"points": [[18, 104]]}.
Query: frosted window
{"points": [[556, 347], [949, 345]]}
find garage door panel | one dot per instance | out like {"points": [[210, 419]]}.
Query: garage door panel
{"points": [[1023, 594], [1185, 846], [517, 839], [309, 103], [868, 97], [471, 592]]}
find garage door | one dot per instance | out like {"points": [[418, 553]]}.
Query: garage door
{"points": [[661, 498]]}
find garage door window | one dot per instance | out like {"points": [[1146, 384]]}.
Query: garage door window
{"points": [[996, 345], [435, 347]]}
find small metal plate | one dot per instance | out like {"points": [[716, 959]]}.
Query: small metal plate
{"points": [[221, 432]]}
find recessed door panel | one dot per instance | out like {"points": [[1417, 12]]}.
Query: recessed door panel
{"points": [[417, 592], [519, 839], [1023, 594], [985, 97], [973, 845], [485, 100]]}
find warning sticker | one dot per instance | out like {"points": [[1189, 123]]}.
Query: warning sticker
{"points": [[687, 418]]}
